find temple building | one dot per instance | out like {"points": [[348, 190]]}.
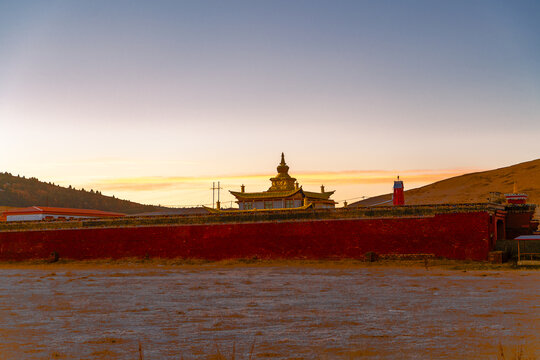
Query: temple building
{"points": [[285, 193], [516, 198]]}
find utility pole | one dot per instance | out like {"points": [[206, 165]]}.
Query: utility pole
{"points": [[214, 188], [218, 205], [213, 191]]}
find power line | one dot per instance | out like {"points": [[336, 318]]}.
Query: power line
{"points": [[354, 198]]}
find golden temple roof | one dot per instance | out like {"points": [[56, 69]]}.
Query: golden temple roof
{"points": [[281, 194], [265, 194], [323, 196]]}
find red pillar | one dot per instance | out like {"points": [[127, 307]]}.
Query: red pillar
{"points": [[398, 198]]}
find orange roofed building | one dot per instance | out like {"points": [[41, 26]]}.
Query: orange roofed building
{"points": [[36, 213], [285, 193]]}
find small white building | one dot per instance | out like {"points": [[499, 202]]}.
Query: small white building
{"points": [[37, 213]]}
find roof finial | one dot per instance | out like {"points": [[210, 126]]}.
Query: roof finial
{"points": [[282, 167]]}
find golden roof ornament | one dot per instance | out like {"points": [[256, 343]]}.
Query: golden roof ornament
{"points": [[282, 181], [282, 167]]}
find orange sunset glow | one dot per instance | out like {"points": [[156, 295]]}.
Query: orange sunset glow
{"points": [[353, 183]]}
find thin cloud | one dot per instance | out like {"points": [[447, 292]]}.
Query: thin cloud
{"points": [[351, 177]]}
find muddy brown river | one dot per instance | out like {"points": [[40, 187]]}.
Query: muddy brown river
{"points": [[279, 312]]}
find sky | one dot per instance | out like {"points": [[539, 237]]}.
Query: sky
{"points": [[153, 101]]}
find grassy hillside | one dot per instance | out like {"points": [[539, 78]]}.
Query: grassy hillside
{"points": [[474, 187], [18, 191]]}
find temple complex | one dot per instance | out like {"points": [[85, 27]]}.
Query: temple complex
{"points": [[285, 193]]}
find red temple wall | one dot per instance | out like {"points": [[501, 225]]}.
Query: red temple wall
{"points": [[519, 223], [453, 236]]}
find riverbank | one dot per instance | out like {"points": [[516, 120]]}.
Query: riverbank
{"points": [[329, 264]]}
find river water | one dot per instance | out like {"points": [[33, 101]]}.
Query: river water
{"points": [[279, 312]]}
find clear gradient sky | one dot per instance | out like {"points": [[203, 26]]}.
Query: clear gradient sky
{"points": [[154, 100]]}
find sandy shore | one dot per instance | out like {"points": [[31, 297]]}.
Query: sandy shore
{"points": [[329, 264]]}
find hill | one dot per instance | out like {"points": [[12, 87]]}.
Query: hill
{"points": [[16, 191], [473, 187]]}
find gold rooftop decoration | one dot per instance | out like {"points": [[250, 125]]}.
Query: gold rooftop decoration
{"points": [[282, 181], [284, 193]]}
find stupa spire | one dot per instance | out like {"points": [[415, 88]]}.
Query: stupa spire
{"points": [[282, 167]]}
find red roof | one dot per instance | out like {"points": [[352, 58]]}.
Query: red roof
{"points": [[60, 211]]}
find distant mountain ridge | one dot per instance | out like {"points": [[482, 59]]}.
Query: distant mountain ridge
{"points": [[16, 191], [473, 187]]}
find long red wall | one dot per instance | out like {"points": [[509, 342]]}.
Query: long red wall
{"points": [[454, 236]]}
